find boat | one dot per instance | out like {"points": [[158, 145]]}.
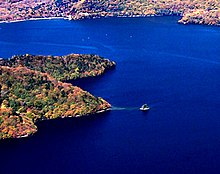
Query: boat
{"points": [[144, 107], [70, 18]]}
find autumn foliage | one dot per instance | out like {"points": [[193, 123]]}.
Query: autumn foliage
{"points": [[193, 11], [67, 67], [28, 95]]}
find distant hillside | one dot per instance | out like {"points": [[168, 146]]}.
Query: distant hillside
{"points": [[193, 11]]}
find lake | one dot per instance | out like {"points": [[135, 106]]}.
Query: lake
{"points": [[173, 68]]}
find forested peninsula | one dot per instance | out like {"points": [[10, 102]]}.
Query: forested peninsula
{"points": [[191, 11], [33, 88]]}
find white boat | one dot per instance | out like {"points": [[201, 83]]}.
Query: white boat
{"points": [[70, 18], [144, 107]]}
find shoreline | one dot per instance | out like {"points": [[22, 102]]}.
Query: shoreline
{"points": [[32, 19], [76, 116], [21, 125], [134, 16], [66, 18]]}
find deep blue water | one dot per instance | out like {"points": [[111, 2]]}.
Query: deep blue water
{"points": [[174, 68]]}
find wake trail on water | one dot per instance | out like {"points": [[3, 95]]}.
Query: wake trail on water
{"points": [[195, 58], [101, 45], [9, 43], [65, 45], [188, 57], [116, 108]]}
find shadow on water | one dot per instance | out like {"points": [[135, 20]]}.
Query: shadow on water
{"points": [[83, 82], [50, 130]]}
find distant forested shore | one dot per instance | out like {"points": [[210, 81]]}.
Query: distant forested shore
{"points": [[196, 11]]}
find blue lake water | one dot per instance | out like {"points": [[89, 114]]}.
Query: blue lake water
{"points": [[174, 68]]}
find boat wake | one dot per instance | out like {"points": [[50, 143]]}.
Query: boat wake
{"points": [[65, 45], [194, 58], [187, 57], [114, 108], [151, 105]]}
